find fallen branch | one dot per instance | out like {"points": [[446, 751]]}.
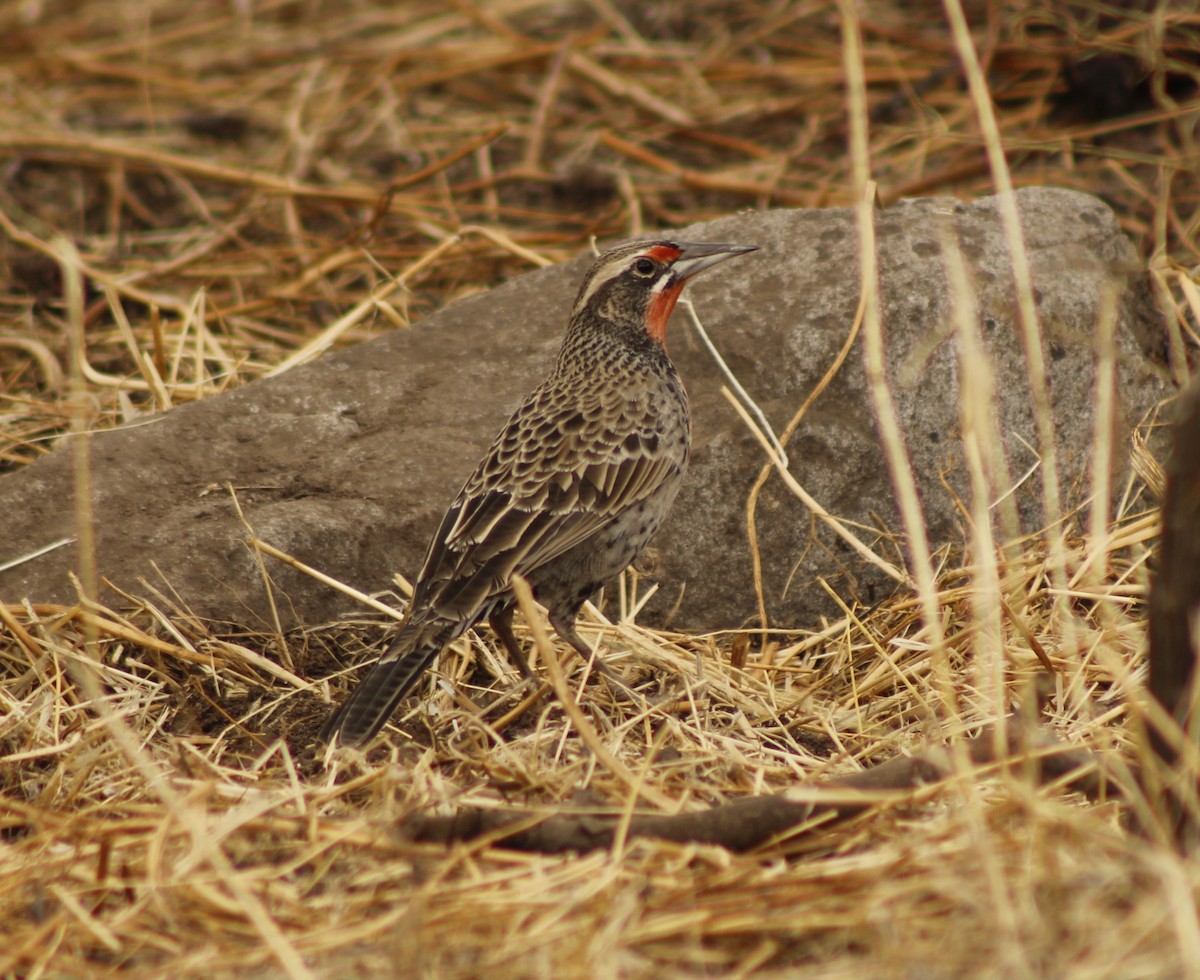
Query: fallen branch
{"points": [[748, 823]]}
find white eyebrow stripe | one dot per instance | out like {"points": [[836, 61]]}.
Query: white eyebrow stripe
{"points": [[599, 276]]}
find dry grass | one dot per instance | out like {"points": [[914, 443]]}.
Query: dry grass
{"points": [[250, 184]]}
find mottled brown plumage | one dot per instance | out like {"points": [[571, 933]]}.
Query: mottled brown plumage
{"points": [[573, 486]]}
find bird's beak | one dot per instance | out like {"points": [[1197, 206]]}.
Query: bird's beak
{"points": [[695, 257]]}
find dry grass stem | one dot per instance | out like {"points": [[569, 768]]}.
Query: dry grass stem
{"points": [[767, 440], [890, 434]]}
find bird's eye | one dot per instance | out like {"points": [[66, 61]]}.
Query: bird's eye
{"points": [[643, 267]]}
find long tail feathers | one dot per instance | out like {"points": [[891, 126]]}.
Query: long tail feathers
{"points": [[372, 702]]}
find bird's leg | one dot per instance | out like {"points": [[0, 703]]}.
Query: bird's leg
{"points": [[564, 626], [500, 620]]}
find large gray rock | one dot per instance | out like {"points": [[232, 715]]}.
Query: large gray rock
{"points": [[347, 463]]}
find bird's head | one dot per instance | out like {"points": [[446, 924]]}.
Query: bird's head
{"points": [[636, 285]]}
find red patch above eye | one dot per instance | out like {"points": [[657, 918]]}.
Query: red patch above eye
{"points": [[663, 253]]}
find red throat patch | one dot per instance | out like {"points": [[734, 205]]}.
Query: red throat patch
{"points": [[659, 311]]}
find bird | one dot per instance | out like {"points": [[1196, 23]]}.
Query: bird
{"points": [[572, 488]]}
